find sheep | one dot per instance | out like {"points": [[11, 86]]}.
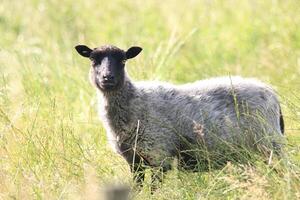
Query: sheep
{"points": [[150, 123]]}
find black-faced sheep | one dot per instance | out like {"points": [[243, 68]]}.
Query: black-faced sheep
{"points": [[150, 123]]}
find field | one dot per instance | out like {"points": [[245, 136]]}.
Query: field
{"points": [[52, 144]]}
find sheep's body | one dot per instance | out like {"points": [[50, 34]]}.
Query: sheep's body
{"points": [[151, 122], [232, 109]]}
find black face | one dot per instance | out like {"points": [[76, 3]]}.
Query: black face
{"points": [[108, 69], [108, 62]]}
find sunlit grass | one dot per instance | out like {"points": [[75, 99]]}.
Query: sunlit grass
{"points": [[50, 136]]}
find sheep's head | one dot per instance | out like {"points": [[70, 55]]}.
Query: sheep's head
{"points": [[108, 62]]}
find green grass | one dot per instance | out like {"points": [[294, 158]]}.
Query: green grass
{"points": [[52, 145]]}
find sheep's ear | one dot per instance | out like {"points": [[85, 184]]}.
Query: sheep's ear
{"points": [[83, 50], [133, 52]]}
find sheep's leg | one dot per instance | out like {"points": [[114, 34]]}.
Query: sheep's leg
{"points": [[157, 176], [138, 171], [135, 162], [159, 159], [187, 162]]}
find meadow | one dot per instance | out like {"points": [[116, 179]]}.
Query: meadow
{"points": [[52, 144]]}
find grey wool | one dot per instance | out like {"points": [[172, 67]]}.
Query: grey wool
{"points": [[150, 123]]}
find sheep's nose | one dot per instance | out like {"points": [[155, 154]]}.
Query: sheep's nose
{"points": [[108, 77]]}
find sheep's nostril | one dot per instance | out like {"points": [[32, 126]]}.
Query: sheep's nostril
{"points": [[108, 77]]}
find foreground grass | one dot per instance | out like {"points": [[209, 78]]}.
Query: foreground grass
{"points": [[52, 145]]}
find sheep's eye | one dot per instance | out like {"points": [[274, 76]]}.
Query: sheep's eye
{"points": [[123, 61], [95, 63], [97, 60]]}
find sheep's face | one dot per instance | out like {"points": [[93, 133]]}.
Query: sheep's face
{"points": [[108, 62]]}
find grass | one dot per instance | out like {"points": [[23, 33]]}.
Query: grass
{"points": [[52, 145]]}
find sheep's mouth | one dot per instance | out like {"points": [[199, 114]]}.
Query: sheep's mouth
{"points": [[107, 86]]}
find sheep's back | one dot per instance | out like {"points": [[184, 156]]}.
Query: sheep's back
{"points": [[213, 106]]}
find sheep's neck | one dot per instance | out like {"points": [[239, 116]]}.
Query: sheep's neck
{"points": [[116, 110]]}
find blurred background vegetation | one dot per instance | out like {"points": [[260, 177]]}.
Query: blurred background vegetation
{"points": [[52, 146]]}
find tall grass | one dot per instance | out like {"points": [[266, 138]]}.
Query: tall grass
{"points": [[50, 137]]}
